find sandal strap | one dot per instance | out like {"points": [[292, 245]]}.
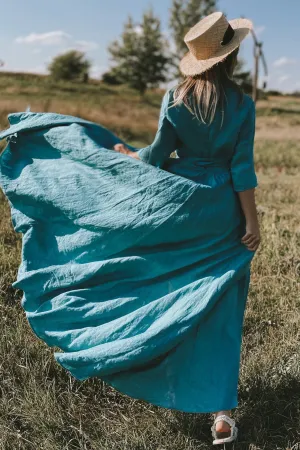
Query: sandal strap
{"points": [[225, 418], [233, 430]]}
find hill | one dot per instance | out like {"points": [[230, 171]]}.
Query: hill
{"points": [[116, 107]]}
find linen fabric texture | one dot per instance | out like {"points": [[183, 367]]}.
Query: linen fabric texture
{"points": [[132, 269]]}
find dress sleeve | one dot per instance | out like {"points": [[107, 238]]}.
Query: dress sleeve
{"points": [[165, 141], [242, 163]]}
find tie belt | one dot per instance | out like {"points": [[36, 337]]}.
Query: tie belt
{"points": [[202, 162]]}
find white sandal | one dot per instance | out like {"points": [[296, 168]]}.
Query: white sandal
{"points": [[218, 439]]}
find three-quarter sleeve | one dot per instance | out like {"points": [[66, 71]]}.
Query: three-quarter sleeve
{"points": [[242, 163], [165, 141]]}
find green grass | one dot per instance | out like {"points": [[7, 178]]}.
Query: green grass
{"points": [[119, 108], [282, 155], [42, 407]]}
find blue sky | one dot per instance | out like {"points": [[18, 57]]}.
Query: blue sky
{"points": [[33, 32]]}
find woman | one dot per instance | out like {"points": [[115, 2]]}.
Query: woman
{"points": [[208, 80], [139, 273]]}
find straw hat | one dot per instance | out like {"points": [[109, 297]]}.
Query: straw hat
{"points": [[211, 40]]}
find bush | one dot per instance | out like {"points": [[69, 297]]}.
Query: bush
{"points": [[111, 78], [274, 93], [70, 66]]}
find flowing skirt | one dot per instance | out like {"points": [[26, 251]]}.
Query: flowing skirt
{"points": [[136, 274]]}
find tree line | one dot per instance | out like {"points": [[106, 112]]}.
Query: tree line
{"points": [[143, 56]]}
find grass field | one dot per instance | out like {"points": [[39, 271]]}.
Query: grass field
{"points": [[43, 408]]}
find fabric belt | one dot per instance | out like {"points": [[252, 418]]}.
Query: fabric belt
{"points": [[202, 162]]}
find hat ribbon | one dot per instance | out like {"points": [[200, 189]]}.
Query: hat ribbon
{"points": [[228, 35]]}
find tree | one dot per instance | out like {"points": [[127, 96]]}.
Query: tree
{"points": [[185, 14], [70, 66], [140, 55]]}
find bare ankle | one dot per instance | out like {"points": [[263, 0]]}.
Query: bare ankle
{"points": [[219, 413]]}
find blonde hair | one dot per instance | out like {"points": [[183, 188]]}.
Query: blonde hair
{"points": [[202, 94]]}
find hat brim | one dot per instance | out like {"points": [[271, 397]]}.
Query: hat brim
{"points": [[190, 65]]}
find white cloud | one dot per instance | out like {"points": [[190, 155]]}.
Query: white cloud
{"points": [[259, 30], [50, 38], [138, 29], [96, 71], [284, 61], [283, 78], [86, 46], [56, 38]]}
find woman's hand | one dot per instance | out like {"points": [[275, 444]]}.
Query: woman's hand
{"points": [[121, 148], [252, 237]]}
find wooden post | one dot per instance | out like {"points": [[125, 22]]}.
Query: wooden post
{"points": [[257, 54]]}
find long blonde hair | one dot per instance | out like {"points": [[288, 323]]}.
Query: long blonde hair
{"points": [[202, 94]]}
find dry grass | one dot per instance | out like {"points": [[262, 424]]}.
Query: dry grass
{"points": [[42, 407]]}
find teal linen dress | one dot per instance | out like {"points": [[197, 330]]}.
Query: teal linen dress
{"points": [[134, 268]]}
